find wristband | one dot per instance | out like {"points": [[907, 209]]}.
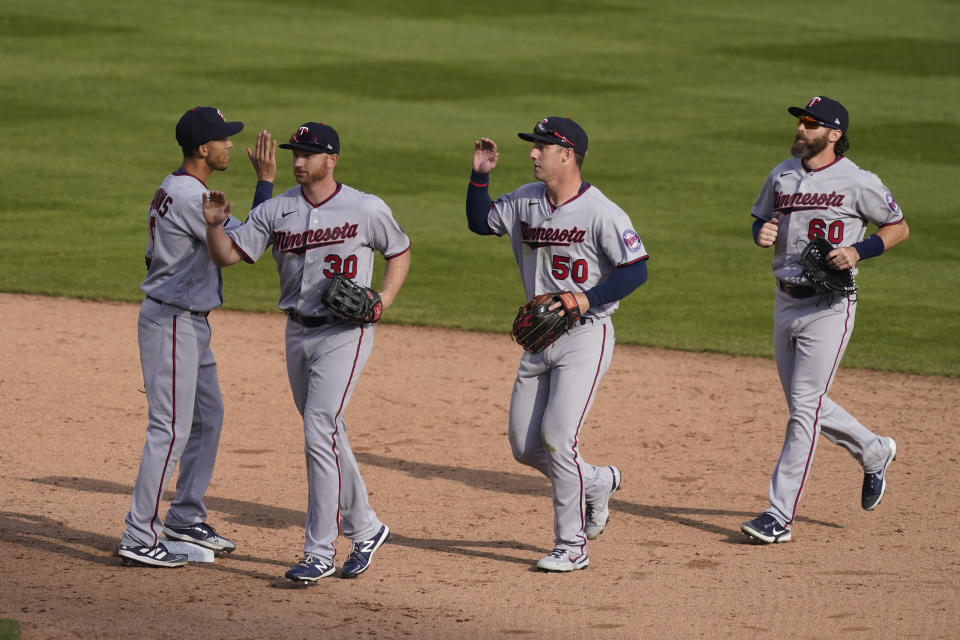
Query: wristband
{"points": [[870, 247]]}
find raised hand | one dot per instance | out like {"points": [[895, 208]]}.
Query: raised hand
{"points": [[264, 159], [485, 155], [216, 209]]}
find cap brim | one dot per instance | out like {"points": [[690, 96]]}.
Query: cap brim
{"points": [[229, 129], [536, 137]]}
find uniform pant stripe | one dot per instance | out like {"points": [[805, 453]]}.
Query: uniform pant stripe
{"points": [[816, 417], [336, 423], [576, 437], [173, 433]]}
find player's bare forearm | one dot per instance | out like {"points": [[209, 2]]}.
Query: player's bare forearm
{"points": [[216, 210], [893, 234], [393, 276], [220, 246], [847, 257], [485, 155], [264, 158]]}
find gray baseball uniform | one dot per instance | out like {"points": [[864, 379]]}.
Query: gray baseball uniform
{"points": [[311, 243], [570, 247], [179, 372], [811, 333]]}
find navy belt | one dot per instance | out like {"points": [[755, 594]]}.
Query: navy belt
{"points": [[795, 291], [309, 321], [199, 314]]}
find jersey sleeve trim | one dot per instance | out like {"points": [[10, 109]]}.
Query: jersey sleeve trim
{"points": [[640, 259], [399, 253], [243, 254], [893, 224]]}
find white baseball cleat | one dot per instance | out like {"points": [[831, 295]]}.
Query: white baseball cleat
{"points": [[561, 560]]}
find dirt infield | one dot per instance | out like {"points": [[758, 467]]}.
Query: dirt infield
{"points": [[696, 436]]}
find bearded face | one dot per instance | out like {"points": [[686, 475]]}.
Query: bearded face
{"points": [[809, 143]]}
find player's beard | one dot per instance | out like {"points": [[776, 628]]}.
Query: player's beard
{"points": [[314, 174], [809, 147]]}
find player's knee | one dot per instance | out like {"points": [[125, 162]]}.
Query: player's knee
{"points": [[522, 452]]}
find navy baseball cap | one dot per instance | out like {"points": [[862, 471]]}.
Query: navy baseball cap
{"points": [[828, 112], [315, 137], [203, 124], [562, 131]]}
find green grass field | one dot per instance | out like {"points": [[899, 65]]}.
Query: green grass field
{"points": [[9, 629], [685, 104]]}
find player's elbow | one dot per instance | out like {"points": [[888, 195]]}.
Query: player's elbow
{"points": [[905, 232], [225, 259]]}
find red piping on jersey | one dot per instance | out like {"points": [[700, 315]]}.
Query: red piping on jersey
{"points": [[183, 172], [893, 224], [809, 170], [640, 259], [398, 254], [173, 436], [816, 417], [576, 438], [325, 201], [336, 425], [582, 191], [242, 253]]}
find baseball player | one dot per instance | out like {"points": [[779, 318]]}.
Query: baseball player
{"points": [[819, 192], [318, 229], [566, 236], [179, 371]]}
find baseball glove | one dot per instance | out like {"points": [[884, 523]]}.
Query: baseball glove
{"points": [[813, 263], [350, 301], [536, 327]]}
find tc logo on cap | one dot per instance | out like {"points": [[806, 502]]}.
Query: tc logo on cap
{"points": [[302, 131], [813, 102]]}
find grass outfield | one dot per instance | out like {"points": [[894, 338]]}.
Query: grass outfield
{"points": [[685, 104]]}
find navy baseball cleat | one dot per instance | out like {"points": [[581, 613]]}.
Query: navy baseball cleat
{"points": [[362, 553], [201, 534], [310, 569], [874, 484], [766, 530], [598, 510], [157, 556], [561, 561]]}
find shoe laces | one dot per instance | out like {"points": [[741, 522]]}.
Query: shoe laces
{"points": [[309, 560], [356, 550], [559, 554]]}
